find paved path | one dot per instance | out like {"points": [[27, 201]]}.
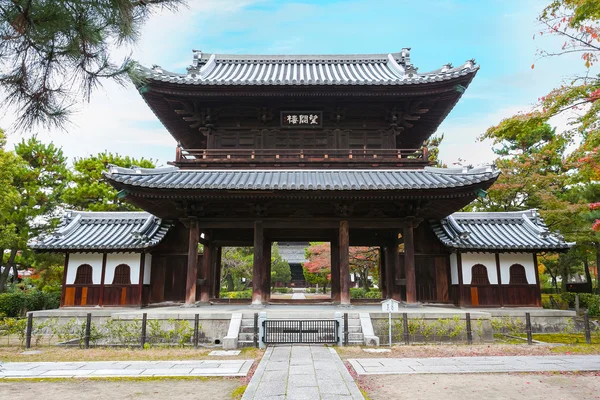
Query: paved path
{"points": [[301, 372], [459, 365], [124, 368], [298, 296]]}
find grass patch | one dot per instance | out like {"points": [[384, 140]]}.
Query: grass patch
{"points": [[239, 392], [12, 354], [563, 338]]}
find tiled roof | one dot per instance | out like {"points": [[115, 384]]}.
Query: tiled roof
{"points": [[174, 178], [359, 69], [519, 230], [104, 231]]}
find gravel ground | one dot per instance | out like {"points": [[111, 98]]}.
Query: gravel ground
{"points": [[448, 350], [483, 386], [214, 389]]}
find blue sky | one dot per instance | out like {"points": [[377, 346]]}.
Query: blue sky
{"points": [[497, 33]]}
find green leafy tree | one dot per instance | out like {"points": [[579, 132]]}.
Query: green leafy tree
{"points": [[90, 192], [236, 264], [40, 180], [317, 270], [53, 53], [11, 197], [280, 269]]}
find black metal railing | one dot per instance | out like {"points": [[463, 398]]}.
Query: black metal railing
{"points": [[300, 331]]}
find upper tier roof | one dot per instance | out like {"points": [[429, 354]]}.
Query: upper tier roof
{"points": [[307, 70], [313, 180], [519, 230], [120, 231]]}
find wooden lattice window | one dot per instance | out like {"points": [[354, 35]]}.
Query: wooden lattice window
{"points": [[479, 275], [84, 275], [122, 275], [517, 275]]}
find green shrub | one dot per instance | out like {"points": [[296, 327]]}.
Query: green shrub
{"points": [[373, 294], [311, 290], [17, 303], [282, 290], [357, 293], [244, 294], [586, 300]]}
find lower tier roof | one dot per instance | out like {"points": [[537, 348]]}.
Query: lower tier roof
{"points": [[302, 179], [134, 231]]}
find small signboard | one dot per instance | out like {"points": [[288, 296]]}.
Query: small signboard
{"points": [[389, 305], [302, 119]]}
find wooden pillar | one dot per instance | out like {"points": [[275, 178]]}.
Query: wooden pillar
{"points": [[538, 294], [217, 270], [409, 264], [266, 294], [205, 272], [393, 260], [101, 297], [335, 271], [258, 268], [382, 280], [461, 286], [498, 273], [344, 248], [192, 262], [64, 280], [141, 279]]}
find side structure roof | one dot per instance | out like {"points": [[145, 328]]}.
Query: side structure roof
{"points": [[516, 231], [289, 180], [307, 70], [115, 231]]}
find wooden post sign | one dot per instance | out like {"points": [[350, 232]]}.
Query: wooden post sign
{"points": [[390, 306]]}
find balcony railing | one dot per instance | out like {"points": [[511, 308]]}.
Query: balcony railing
{"points": [[302, 157]]}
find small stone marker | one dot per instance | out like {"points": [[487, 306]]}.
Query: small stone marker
{"points": [[377, 350], [224, 353], [31, 352]]}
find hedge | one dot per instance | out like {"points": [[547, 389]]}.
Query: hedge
{"points": [[586, 300], [360, 293], [18, 303]]}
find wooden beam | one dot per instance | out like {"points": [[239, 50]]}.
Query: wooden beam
{"points": [[382, 273], [192, 262], [266, 294], [217, 277], [498, 273], [409, 265], [258, 268], [101, 297], [461, 299], [344, 242], [205, 272], [335, 271], [141, 279], [64, 280]]}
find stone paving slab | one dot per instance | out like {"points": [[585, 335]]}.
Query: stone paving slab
{"points": [[320, 375], [125, 368], [455, 365]]}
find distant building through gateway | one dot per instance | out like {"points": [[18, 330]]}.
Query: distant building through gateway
{"points": [[295, 149]]}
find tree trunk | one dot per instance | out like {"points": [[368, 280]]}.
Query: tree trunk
{"points": [[588, 275], [7, 267], [229, 280], [364, 277]]}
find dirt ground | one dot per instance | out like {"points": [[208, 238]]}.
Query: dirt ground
{"points": [[172, 389], [483, 386]]}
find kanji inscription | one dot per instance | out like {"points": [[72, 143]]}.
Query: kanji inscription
{"points": [[301, 119]]}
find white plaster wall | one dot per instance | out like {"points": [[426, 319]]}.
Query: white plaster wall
{"points": [[114, 259], [525, 259], [487, 259], [76, 259], [147, 268], [454, 269]]}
